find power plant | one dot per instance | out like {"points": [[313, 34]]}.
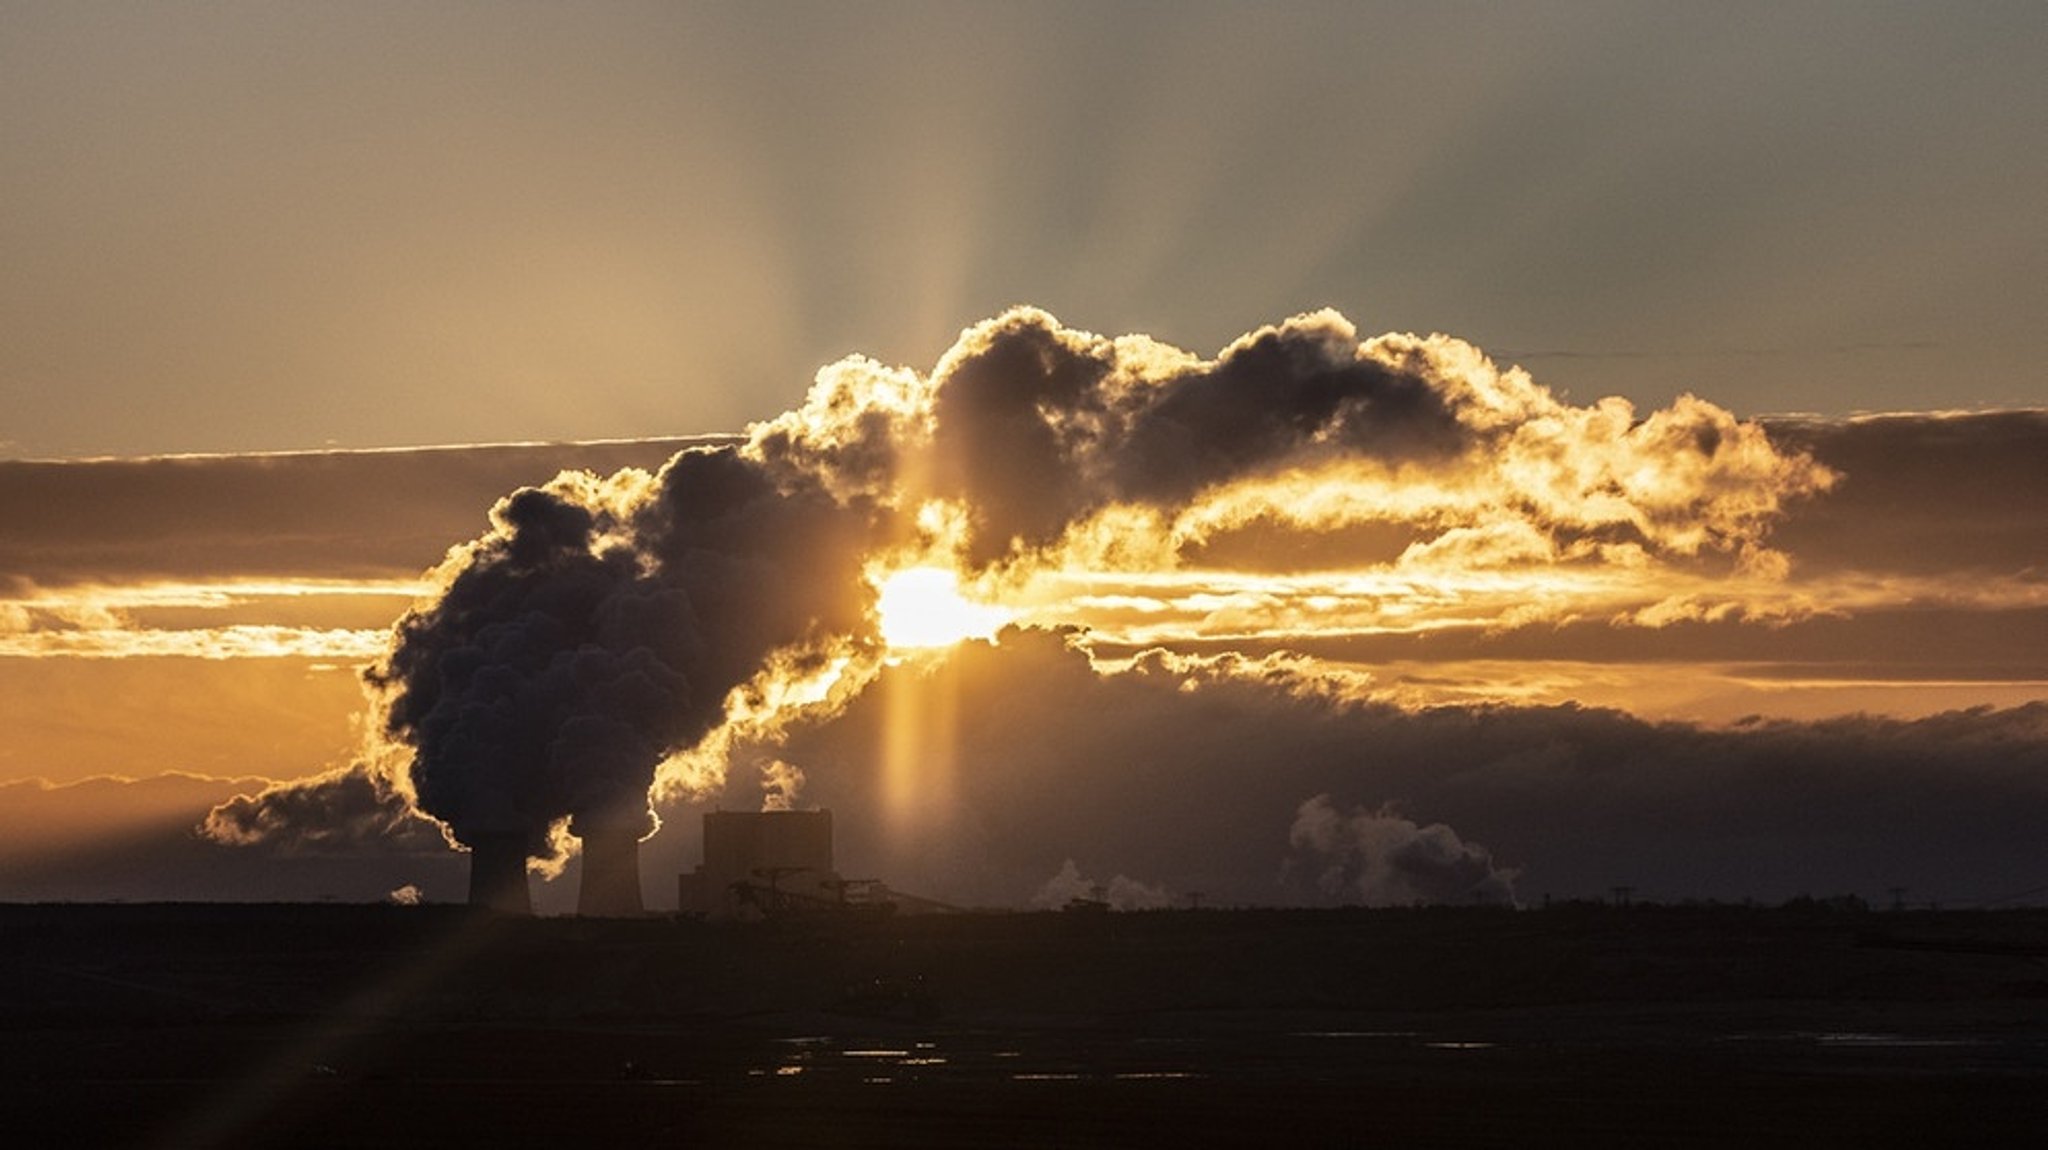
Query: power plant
{"points": [[757, 864], [762, 863]]}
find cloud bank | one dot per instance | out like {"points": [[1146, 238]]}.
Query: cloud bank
{"points": [[1190, 774]]}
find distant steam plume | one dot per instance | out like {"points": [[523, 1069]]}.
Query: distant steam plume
{"points": [[780, 784], [1378, 858], [1120, 893], [337, 812]]}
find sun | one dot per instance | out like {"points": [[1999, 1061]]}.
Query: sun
{"points": [[921, 607]]}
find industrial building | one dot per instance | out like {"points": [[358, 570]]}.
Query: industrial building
{"points": [[770, 864], [755, 861]]}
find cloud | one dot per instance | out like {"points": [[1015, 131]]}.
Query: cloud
{"points": [[135, 839], [1374, 857], [1037, 428], [338, 515], [1191, 772], [246, 557], [347, 812], [1959, 496]]}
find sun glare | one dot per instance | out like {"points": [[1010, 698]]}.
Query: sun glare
{"points": [[921, 607]]}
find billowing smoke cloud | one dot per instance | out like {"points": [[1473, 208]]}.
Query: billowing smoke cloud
{"points": [[1377, 858], [346, 811], [1037, 431], [606, 626], [599, 628], [121, 838]]}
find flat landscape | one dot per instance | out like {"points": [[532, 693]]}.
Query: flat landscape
{"points": [[340, 1025]]}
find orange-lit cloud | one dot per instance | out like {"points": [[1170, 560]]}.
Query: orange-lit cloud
{"points": [[151, 620]]}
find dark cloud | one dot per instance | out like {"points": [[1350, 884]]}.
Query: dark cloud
{"points": [[1929, 641], [347, 813], [1954, 494], [1194, 778], [1273, 395], [335, 514], [1016, 410], [135, 839], [1191, 779], [1035, 426]]}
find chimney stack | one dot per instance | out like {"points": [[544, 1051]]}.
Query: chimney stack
{"points": [[497, 874], [611, 865]]}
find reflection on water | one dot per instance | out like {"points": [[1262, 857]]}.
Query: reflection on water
{"points": [[1243, 1050], [1891, 1040], [1983, 1047], [971, 1055]]}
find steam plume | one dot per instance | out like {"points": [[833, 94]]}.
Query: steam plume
{"points": [[1119, 893], [606, 626], [598, 628], [1378, 858]]}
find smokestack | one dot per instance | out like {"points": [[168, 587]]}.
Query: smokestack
{"points": [[497, 874], [611, 867]]}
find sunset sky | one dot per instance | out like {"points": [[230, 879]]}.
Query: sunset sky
{"points": [[1705, 551]]}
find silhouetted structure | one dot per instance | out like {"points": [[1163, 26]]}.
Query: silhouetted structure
{"points": [[762, 861], [497, 874], [611, 865]]}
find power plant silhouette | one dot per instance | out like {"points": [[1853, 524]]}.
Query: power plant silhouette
{"points": [[757, 864], [762, 862]]}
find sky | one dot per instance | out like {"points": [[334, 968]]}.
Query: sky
{"points": [[1703, 552]]}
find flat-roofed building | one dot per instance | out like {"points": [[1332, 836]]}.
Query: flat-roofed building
{"points": [[762, 863]]}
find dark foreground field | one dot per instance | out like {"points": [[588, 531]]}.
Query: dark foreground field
{"points": [[312, 1026]]}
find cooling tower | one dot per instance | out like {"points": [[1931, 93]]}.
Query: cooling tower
{"points": [[611, 868], [497, 874]]}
